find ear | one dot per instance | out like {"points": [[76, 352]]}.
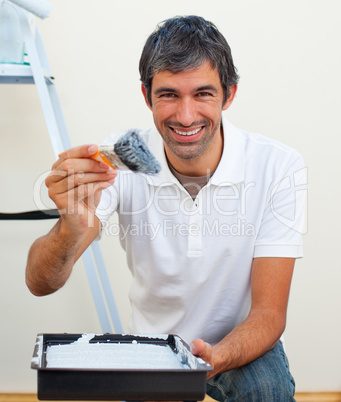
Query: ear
{"points": [[144, 91], [229, 100]]}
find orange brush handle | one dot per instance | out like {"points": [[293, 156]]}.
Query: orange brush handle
{"points": [[101, 158]]}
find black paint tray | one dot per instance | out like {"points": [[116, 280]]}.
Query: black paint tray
{"points": [[146, 384]]}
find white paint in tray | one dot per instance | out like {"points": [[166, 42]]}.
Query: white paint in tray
{"points": [[84, 355]]}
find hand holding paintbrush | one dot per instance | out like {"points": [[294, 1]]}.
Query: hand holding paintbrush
{"points": [[75, 185], [83, 172]]}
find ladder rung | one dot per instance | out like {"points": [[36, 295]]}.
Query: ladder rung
{"points": [[19, 74]]}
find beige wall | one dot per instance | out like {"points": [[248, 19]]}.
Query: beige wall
{"points": [[288, 58]]}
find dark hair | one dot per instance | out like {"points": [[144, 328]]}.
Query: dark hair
{"points": [[185, 43]]}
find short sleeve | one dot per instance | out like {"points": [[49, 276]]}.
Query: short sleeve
{"points": [[283, 221]]}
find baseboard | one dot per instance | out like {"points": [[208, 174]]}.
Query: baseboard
{"points": [[300, 397], [318, 396]]}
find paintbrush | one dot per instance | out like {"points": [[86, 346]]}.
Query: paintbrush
{"points": [[130, 152]]}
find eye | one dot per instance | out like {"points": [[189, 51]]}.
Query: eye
{"points": [[168, 95], [204, 94]]}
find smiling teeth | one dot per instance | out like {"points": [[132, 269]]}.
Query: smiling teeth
{"points": [[187, 132]]}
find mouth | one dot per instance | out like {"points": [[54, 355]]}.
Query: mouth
{"points": [[186, 133], [189, 134]]}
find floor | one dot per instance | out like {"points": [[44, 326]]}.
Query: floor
{"points": [[300, 397]]}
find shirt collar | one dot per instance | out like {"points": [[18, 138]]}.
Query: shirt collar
{"points": [[231, 166], [232, 163]]}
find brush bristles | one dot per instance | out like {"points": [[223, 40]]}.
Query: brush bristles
{"points": [[134, 153]]}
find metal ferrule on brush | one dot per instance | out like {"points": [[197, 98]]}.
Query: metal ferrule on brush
{"points": [[108, 151], [129, 152]]}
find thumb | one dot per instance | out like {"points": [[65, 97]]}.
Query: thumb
{"points": [[202, 349]]}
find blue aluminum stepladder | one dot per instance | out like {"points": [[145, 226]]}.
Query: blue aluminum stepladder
{"points": [[38, 72]]}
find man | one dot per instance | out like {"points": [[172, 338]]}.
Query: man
{"points": [[207, 239]]}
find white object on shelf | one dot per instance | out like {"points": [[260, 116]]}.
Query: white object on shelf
{"points": [[11, 39]]}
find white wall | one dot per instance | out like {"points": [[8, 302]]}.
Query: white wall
{"points": [[288, 56]]}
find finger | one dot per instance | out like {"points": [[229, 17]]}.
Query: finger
{"points": [[202, 349], [85, 164], [71, 201], [79, 178], [88, 192], [81, 151], [59, 185], [74, 167], [197, 347]]}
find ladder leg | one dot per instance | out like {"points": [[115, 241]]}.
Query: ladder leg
{"points": [[103, 274], [96, 292], [59, 116], [40, 81]]}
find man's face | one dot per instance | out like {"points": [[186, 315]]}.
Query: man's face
{"points": [[187, 110]]}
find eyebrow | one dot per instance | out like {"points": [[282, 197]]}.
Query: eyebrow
{"points": [[202, 88], [208, 88], [164, 89]]}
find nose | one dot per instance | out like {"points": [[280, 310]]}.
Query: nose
{"points": [[185, 112]]}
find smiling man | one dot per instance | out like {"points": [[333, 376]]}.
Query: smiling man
{"points": [[216, 262], [187, 110]]}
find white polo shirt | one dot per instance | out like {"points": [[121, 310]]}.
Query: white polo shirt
{"points": [[191, 260]]}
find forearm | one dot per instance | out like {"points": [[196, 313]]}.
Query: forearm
{"points": [[51, 259], [249, 340], [261, 330]]}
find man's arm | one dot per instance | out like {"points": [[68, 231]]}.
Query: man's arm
{"points": [[75, 185], [261, 330], [52, 257]]}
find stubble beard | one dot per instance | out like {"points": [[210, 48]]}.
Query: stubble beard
{"points": [[190, 150]]}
